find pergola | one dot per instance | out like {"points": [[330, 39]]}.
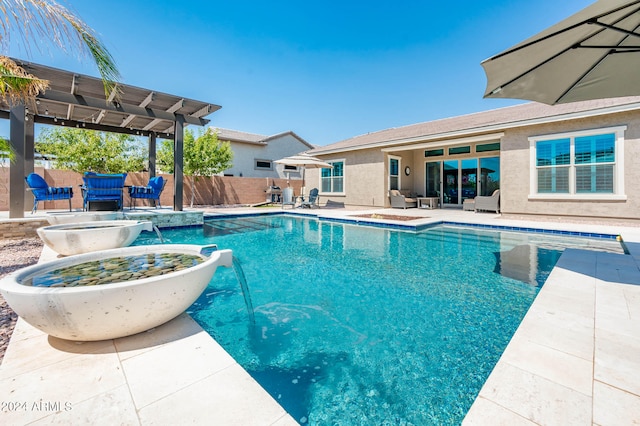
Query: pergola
{"points": [[77, 100]]}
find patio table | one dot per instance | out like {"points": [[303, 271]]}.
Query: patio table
{"points": [[428, 202]]}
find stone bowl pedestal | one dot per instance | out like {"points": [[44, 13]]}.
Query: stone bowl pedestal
{"points": [[107, 311], [59, 218], [84, 237]]}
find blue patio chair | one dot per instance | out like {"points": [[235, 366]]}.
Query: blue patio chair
{"points": [[103, 188], [150, 192], [43, 192]]}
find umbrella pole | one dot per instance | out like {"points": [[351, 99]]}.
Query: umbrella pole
{"points": [[303, 188]]}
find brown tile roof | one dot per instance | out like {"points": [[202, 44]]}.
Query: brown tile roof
{"points": [[238, 136], [488, 121]]}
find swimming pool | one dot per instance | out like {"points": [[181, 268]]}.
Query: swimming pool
{"points": [[359, 325]]}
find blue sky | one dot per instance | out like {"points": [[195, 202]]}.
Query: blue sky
{"points": [[325, 70]]}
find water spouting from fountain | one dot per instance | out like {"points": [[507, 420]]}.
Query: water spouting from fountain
{"points": [[158, 233], [237, 268]]}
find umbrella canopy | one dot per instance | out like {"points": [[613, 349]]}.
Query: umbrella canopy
{"points": [[593, 54], [304, 161]]}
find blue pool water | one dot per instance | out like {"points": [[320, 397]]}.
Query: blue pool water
{"points": [[362, 325]]}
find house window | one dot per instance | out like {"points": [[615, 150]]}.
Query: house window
{"points": [[332, 180], [263, 165], [488, 147], [595, 162], [289, 168], [394, 173], [459, 150], [553, 161], [434, 153], [580, 165]]}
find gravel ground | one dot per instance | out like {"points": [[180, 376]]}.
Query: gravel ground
{"points": [[14, 254]]}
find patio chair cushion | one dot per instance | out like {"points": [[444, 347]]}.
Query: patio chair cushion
{"points": [[140, 191]]}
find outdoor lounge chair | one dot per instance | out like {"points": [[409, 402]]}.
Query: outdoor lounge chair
{"points": [[312, 201], [399, 200], [150, 192], [488, 203], [103, 189], [43, 192]]}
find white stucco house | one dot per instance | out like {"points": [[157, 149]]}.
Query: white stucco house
{"points": [[255, 155], [577, 160]]}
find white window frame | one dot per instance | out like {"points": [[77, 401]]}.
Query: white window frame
{"points": [[399, 159], [344, 172], [618, 169]]}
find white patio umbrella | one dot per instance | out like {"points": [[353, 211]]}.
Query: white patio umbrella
{"points": [[305, 161], [593, 54]]}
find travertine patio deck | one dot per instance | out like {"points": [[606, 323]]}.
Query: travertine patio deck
{"points": [[575, 359], [173, 374]]}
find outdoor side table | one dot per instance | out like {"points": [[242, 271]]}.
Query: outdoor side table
{"points": [[428, 202]]}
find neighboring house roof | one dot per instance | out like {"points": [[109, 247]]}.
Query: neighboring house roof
{"points": [[238, 136], [482, 122], [252, 138]]}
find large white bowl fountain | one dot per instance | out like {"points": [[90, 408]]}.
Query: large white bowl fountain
{"points": [[112, 293], [59, 218], [84, 237]]}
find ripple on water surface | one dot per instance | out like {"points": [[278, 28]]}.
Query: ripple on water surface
{"points": [[358, 325]]}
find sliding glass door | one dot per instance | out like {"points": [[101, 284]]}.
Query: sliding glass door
{"points": [[450, 182], [469, 179], [489, 175], [462, 179], [433, 179]]}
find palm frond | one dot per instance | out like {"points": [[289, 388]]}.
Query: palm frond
{"points": [[16, 85], [104, 61], [37, 20]]}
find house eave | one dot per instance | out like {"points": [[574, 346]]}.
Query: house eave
{"points": [[481, 130]]}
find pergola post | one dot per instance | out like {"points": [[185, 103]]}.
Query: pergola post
{"points": [[152, 155], [178, 162], [21, 138]]}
